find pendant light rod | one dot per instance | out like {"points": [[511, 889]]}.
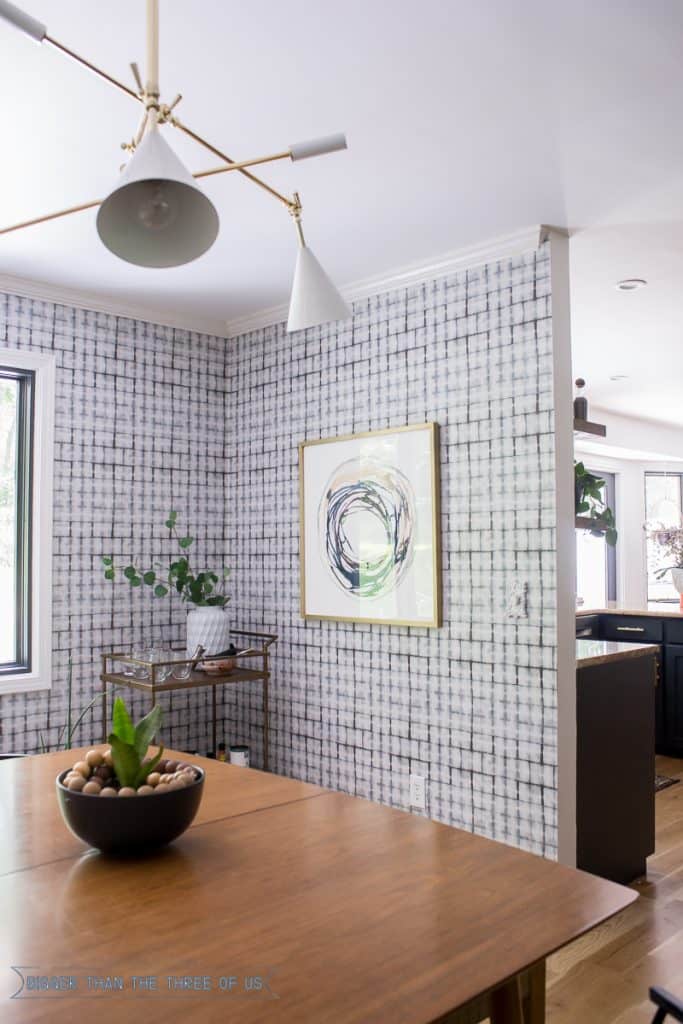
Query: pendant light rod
{"points": [[232, 163], [296, 217], [50, 216], [152, 86], [223, 169], [92, 67]]}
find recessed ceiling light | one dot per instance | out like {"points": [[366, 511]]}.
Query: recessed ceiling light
{"points": [[620, 376], [630, 284]]}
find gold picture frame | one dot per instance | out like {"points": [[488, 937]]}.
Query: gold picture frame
{"points": [[428, 522]]}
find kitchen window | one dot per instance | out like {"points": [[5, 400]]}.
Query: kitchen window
{"points": [[663, 507], [26, 454], [596, 561]]}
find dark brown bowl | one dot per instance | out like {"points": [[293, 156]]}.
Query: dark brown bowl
{"points": [[133, 824]]}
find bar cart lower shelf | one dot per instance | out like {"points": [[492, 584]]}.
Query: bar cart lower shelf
{"points": [[153, 685]]}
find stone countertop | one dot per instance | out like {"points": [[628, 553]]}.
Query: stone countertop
{"points": [[650, 612], [595, 652]]}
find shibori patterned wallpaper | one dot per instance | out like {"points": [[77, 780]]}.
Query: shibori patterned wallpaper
{"points": [[151, 418], [139, 414], [471, 706]]}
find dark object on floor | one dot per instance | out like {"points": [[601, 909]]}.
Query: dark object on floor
{"points": [[129, 825], [663, 782], [668, 1005]]}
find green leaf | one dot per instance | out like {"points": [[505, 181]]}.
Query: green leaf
{"points": [[109, 574], [122, 725], [135, 582], [149, 578], [126, 760], [107, 560], [130, 572], [148, 767], [146, 728], [160, 590], [185, 542]]}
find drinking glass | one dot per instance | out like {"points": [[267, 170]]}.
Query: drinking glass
{"points": [[182, 671], [162, 672], [142, 654]]}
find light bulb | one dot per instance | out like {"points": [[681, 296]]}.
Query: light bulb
{"points": [[159, 210]]}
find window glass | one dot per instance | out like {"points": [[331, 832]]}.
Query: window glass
{"points": [[16, 425], [662, 508], [9, 400], [596, 577]]}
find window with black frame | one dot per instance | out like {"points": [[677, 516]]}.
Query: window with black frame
{"points": [[16, 472]]}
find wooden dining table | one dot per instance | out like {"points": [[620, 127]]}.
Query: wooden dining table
{"points": [[283, 902]]}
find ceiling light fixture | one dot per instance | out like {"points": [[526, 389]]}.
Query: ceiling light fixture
{"points": [[630, 284], [157, 215]]}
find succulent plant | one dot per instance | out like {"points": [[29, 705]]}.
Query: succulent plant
{"points": [[129, 744]]}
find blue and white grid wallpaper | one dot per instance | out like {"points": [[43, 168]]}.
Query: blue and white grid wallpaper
{"points": [[150, 418]]}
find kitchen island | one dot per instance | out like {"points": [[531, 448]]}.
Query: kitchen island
{"points": [[615, 756], [598, 652]]}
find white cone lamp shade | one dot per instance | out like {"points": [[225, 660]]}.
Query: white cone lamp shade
{"points": [[315, 300], [157, 216]]}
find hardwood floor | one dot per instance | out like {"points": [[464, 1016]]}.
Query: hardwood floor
{"points": [[604, 977]]}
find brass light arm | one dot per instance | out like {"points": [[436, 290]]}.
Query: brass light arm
{"points": [[289, 203], [296, 210], [50, 216], [223, 169], [93, 67]]}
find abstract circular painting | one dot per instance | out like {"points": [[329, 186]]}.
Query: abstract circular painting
{"points": [[366, 527], [369, 527]]}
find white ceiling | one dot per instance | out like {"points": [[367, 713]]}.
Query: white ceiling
{"points": [[465, 122]]}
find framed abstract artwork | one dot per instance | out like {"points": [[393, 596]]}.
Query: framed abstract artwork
{"points": [[369, 527]]}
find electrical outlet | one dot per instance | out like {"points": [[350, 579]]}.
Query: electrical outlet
{"points": [[418, 794]]}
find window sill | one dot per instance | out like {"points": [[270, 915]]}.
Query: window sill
{"points": [[26, 682]]}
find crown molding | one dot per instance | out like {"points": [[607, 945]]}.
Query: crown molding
{"points": [[108, 304], [448, 263]]}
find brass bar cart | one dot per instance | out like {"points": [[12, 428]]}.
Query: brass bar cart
{"points": [[152, 685]]}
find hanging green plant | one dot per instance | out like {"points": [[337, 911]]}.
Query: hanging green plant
{"points": [[590, 505]]}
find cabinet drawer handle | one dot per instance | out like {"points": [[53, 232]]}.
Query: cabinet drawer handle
{"points": [[630, 629]]}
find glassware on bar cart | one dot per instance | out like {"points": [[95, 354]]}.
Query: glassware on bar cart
{"points": [[182, 669], [161, 672], [141, 654]]}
